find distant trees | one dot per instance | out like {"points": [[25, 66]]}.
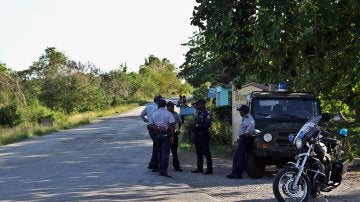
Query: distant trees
{"points": [[54, 83]]}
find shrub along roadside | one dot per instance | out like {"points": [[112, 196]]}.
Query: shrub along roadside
{"points": [[27, 131]]}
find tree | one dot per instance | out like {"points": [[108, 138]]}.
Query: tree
{"points": [[119, 84], [10, 87], [313, 45], [219, 52], [62, 84], [159, 77]]}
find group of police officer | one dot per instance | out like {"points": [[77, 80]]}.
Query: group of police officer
{"points": [[164, 125]]}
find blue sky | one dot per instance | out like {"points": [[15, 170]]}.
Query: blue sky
{"points": [[104, 32]]}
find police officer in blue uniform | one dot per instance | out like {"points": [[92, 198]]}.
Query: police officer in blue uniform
{"points": [[202, 137]]}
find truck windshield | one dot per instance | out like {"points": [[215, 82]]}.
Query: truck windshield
{"points": [[284, 108]]}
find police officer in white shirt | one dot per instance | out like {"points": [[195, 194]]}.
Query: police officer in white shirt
{"points": [[160, 122], [245, 132], [175, 144], [145, 116]]}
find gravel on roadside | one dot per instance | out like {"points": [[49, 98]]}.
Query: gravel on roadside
{"points": [[248, 189]]}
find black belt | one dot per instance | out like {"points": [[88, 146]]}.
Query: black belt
{"points": [[245, 137]]}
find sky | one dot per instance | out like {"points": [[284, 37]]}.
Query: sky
{"points": [[107, 33]]}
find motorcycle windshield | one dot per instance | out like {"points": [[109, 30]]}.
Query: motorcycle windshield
{"points": [[309, 128]]}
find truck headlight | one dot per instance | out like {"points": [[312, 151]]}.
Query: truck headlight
{"points": [[267, 137]]}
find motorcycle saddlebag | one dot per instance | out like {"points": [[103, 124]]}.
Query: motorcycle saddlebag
{"points": [[339, 168]]}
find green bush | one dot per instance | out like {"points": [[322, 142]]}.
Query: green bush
{"points": [[186, 133], [223, 113], [221, 132], [10, 115], [34, 113]]}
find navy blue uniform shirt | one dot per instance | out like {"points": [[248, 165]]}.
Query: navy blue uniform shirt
{"points": [[203, 120]]}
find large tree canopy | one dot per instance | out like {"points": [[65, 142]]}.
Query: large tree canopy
{"points": [[313, 45]]}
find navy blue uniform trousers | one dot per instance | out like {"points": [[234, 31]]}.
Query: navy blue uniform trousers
{"points": [[239, 158], [163, 151], [202, 147], [174, 148], [154, 162]]}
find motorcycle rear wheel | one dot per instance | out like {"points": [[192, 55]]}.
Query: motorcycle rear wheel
{"points": [[282, 186]]}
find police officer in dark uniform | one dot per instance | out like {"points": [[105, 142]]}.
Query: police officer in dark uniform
{"points": [[202, 137]]}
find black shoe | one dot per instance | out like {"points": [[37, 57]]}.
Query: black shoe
{"points": [[178, 169], [155, 170], [165, 175], [233, 177], [150, 167], [208, 172], [197, 171]]}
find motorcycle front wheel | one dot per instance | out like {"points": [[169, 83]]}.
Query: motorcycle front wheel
{"points": [[283, 186]]}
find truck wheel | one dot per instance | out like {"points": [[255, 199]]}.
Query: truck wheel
{"points": [[253, 168]]}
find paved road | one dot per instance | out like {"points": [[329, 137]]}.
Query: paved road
{"points": [[106, 161], [100, 161]]}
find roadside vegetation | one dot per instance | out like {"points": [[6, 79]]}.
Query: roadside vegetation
{"points": [[64, 93]]}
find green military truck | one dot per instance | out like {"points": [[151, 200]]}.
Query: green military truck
{"points": [[277, 114]]}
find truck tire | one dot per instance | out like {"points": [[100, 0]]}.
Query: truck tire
{"points": [[253, 168]]}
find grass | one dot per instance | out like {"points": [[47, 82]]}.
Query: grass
{"points": [[27, 131], [217, 151]]}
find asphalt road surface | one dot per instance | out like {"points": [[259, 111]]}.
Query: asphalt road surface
{"points": [[102, 161], [106, 161]]}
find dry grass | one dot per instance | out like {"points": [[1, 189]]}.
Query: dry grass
{"points": [[26, 130]]}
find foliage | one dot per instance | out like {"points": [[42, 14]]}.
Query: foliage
{"points": [[202, 91], [352, 142], [3, 67], [223, 113], [160, 73], [221, 132], [10, 115], [334, 106], [10, 87], [187, 135], [219, 50], [313, 45], [64, 85]]}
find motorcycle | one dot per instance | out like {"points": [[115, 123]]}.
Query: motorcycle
{"points": [[319, 166]]}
